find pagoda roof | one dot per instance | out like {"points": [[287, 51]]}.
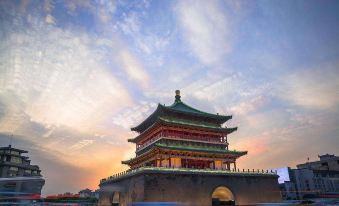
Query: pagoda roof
{"points": [[179, 107], [165, 120], [199, 149], [196, 124], [193, 148]]}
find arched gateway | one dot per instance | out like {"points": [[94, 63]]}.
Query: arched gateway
{"points": [[222, 196]]}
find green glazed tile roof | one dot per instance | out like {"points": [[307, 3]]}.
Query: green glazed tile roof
{"points": [[183, 122], [191, 123], [179, 107], [191, 147], [199, 149]]}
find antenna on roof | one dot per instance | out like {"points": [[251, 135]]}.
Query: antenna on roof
{"points": [[10, 140]]}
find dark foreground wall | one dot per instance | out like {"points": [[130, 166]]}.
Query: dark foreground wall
{"points": [[189, 188]]}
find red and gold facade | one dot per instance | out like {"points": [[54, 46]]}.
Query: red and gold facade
{"points": [[179, 136]]}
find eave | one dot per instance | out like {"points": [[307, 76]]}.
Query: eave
{"points": [[160, 147], [191, 112], [162, 121]]}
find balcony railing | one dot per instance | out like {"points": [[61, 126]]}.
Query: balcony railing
{"points": [[249, 172], [186, 138]]}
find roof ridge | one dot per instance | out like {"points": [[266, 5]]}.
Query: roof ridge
{"points": [[194, 108], [172, 106]]}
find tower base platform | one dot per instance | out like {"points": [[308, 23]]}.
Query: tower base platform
{"points": [[191, 187]]}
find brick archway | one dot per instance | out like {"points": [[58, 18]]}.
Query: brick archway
{"points": [[222, 196]]}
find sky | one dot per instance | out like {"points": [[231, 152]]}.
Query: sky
{"points": [[76, 75]]}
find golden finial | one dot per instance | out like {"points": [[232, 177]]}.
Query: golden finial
{"points": [[177, 96]]}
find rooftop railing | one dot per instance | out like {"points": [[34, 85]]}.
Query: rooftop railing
{"points": [[190, 170], [159, 136]]}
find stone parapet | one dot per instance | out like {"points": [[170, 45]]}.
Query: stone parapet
{"points": [[238, 172]]}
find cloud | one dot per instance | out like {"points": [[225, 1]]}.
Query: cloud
{"points": [[81, 144], [59, 77], [130, 24], [230, 92], [50, 19], [71, 86], [214, 88], [59, 89], [249, 106], [134, 115], [274, 134], [103, 11], [262, 146], [62, 176], [206, 28], [312, 88], [274, 147], [147, 44], [133, 68]]}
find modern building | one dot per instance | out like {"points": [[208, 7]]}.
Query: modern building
{"points": [[87, 193], [326, 162], [287, 183], [183, 155], [316, 183], [311, 179], [17, 176]]}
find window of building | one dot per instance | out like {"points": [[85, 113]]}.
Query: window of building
{"points": [[12, 174], [307, 185], [15, 152], [11, 185], [28, 171], [13, 169], [324, 164], [16, 160]]}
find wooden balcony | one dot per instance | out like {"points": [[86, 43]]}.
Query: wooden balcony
{"points": [[221, 141]]}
